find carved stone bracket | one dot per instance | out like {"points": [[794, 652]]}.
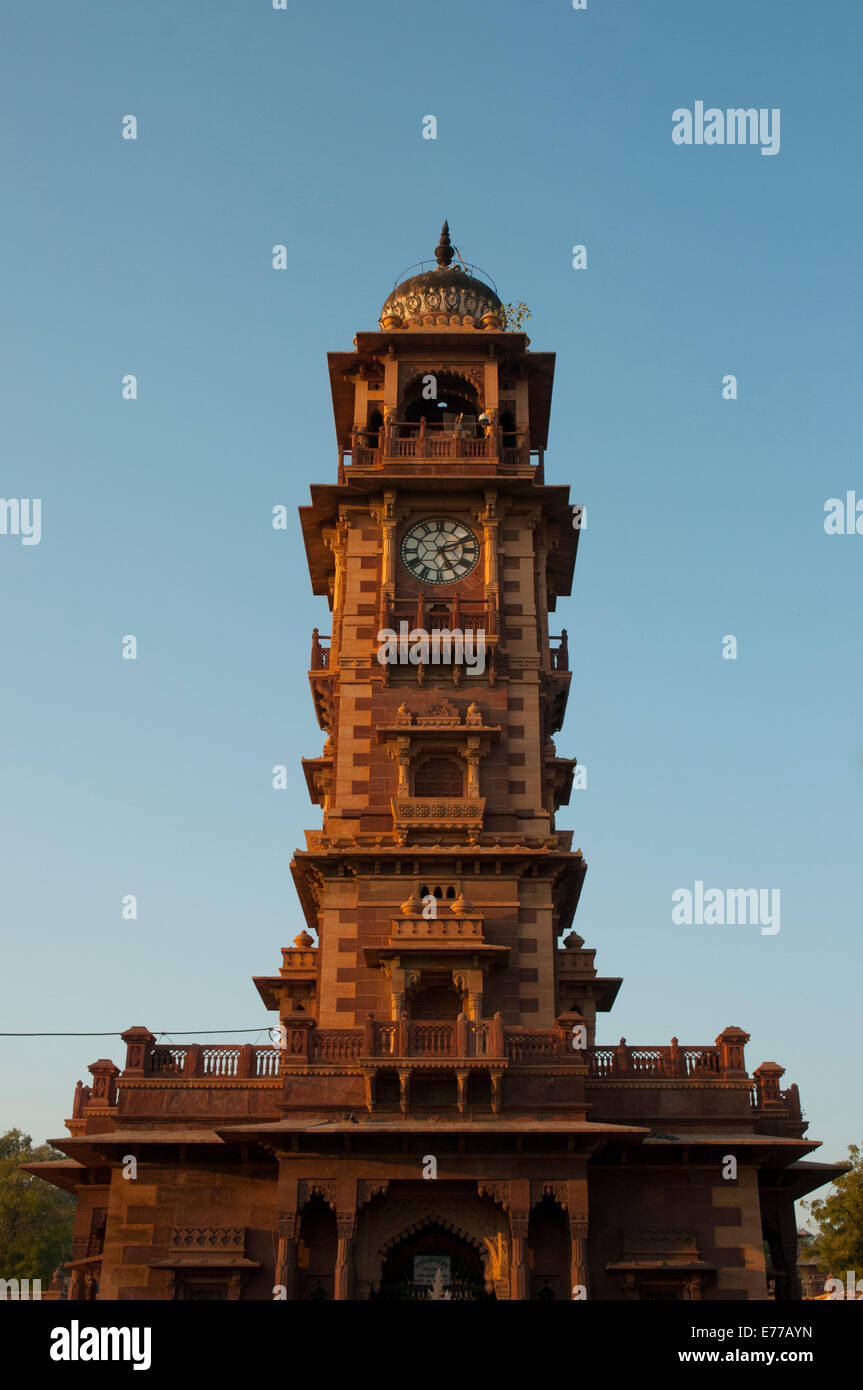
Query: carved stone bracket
{"points": [[557, 1190], [310, 1188], [367, 1188], [498, 1191], [346, 1225], [289, 1225]]}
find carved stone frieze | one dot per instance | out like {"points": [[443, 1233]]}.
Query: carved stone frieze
{"points": [[367, 1188], [498, 1191], [311, 1188]]}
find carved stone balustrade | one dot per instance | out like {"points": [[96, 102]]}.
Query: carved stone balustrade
{"points": [[458, 929]]}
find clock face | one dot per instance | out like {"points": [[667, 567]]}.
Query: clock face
{"points": [[439, 550]]}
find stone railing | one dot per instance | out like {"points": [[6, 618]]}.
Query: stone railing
{"points": [[412, 812], [526, 1045], [221, 1061], [440, 614], [414, 1038], [609, 1063], [559, 655], [299, 958], [320, 655], [407, 439], [437, 929], [336, 1044], [306, 1044]]}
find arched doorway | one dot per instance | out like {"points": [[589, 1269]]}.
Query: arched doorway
{"points": [[410, 1264], [458, 395], [548, 1238], [316, 1251]]}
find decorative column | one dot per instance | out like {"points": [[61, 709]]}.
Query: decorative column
{"points": [[346, 1228], [335, 538], [461, 1078], [540, 582], [404, 1089], [767, 1078], [386, 518], [731, 1043], [139, 1043], [577, 1213], [489, 519], [286, 1252], [104, 1088], [578, 1255], [519, 1221], [473, 754]]}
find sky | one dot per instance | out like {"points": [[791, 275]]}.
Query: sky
{"points": [[705, 516]]}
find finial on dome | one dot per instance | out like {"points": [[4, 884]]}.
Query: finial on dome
{"points": [[443, 251]]}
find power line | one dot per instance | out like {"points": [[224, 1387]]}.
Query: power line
{"points": [[192, 1032]]}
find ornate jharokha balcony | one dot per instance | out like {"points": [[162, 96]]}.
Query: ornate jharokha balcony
{"points": [[403, 445]]}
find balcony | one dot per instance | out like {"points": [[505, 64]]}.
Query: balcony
{"points": [[459, 1038], [438, 814], [392, 1051], [403, 446], [613, 1063], [440, 613], [455, 929], [559, 654], [219, 1060], [321, 680], [320, 657]]}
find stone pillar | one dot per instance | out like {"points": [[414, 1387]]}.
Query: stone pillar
{"points": [[346, 1227], [767, 1078], [387, 520], [335, 538], [286, 1253], [139, 1042], [461, 1078], [786, 1227], [519, 1275], [577, 1213], [104, 1089], [731, 1043], [578, 1257], [404, 1089]]}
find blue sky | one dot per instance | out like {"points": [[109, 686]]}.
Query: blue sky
{"points": [[705, 516]]}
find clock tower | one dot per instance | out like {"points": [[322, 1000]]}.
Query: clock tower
{"points": [[439, 884], [436, 1108]]}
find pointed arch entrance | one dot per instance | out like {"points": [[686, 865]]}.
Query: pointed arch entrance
{"points": [[412, 1259]]}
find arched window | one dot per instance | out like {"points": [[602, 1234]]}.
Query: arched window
{"points": [[439, 777]]}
